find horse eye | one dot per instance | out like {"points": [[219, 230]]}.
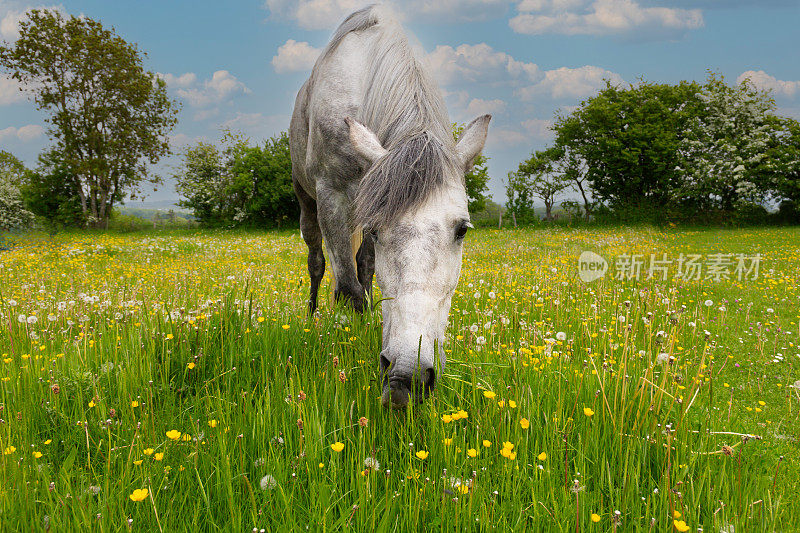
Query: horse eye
{"points": [[461, 230]]}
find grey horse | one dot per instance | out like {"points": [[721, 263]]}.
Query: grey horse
{"points": [[373, 155]]}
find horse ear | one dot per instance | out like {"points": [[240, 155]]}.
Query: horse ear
{"points": [[471, 141], [365, 143]]}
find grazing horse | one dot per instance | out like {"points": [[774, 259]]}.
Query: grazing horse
{"points": [[373, 156]]}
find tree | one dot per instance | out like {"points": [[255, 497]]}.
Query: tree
{"points": [[780, 168], [628, 138], [537, 178], [51, 193], [724, 146], [201, 184], [262, 177], [239, 184], [476, 180], [13, 214], [108, 116]]}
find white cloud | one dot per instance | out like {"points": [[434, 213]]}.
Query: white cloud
{"points": [[256, 125], [220, 87], [295, 56], [327, 14], [602, 17], [184, 80], [478, 106], [9, 22], [10, 91], [764, 81], [476, 62], [538, 128], [314, 14], [501, 138], [567, 82], [24, 134]]}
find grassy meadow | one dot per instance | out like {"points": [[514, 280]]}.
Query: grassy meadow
{"points": [[172, 381]]}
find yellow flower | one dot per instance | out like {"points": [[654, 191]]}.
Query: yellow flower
{"points": [[680, 525], [159, 456], [447, 442], [91, 404], [489, 394], [148, 451], [588, 411], [595, 517], [321, 465], [134, 403], [137, 462], [676, 514], [505, 452], [48, 441], [524, 423], [501, 404], [487, 443], [447, 419], [542, 456], [138, 495], [190, 366], [762, 403], [512, 404], [337, 446], [472, 452], [173, 434], [422, 454], [285, 326], [36, 455], [186, 437], [508, 445], [212, 423], [511, 455], [462, 414], [9, 450]]}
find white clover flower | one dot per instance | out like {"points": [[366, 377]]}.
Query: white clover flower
{"points": [[708, 303], [12, 303], [474, 328], [662, 358], [621, 318], [22, 319], [492, 295], [477, 294], [51, 317], [33, 319], [561, 336], [480, 341]]}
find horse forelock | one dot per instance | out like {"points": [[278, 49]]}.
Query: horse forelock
{"points": [[403, 179]]}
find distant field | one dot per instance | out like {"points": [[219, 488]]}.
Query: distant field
{"points": [[173, 382]]}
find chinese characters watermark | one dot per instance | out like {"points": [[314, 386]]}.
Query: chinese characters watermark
{"points": [[690, 267]]}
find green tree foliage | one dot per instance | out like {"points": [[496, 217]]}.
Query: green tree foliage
{"points": [[541, 177], [629, 140], [477, 179], [51, 193], [109, 117], [13, 214], [240, 184]]}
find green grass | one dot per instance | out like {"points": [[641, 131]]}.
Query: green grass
{"points": [[206, 334]]}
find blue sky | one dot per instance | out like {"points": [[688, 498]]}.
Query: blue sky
{"points": [[238, 65]]}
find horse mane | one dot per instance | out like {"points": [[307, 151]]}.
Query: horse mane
{"points": [[403, 106]]}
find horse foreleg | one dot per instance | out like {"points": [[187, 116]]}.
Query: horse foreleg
{"points": [[334, 219]]}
